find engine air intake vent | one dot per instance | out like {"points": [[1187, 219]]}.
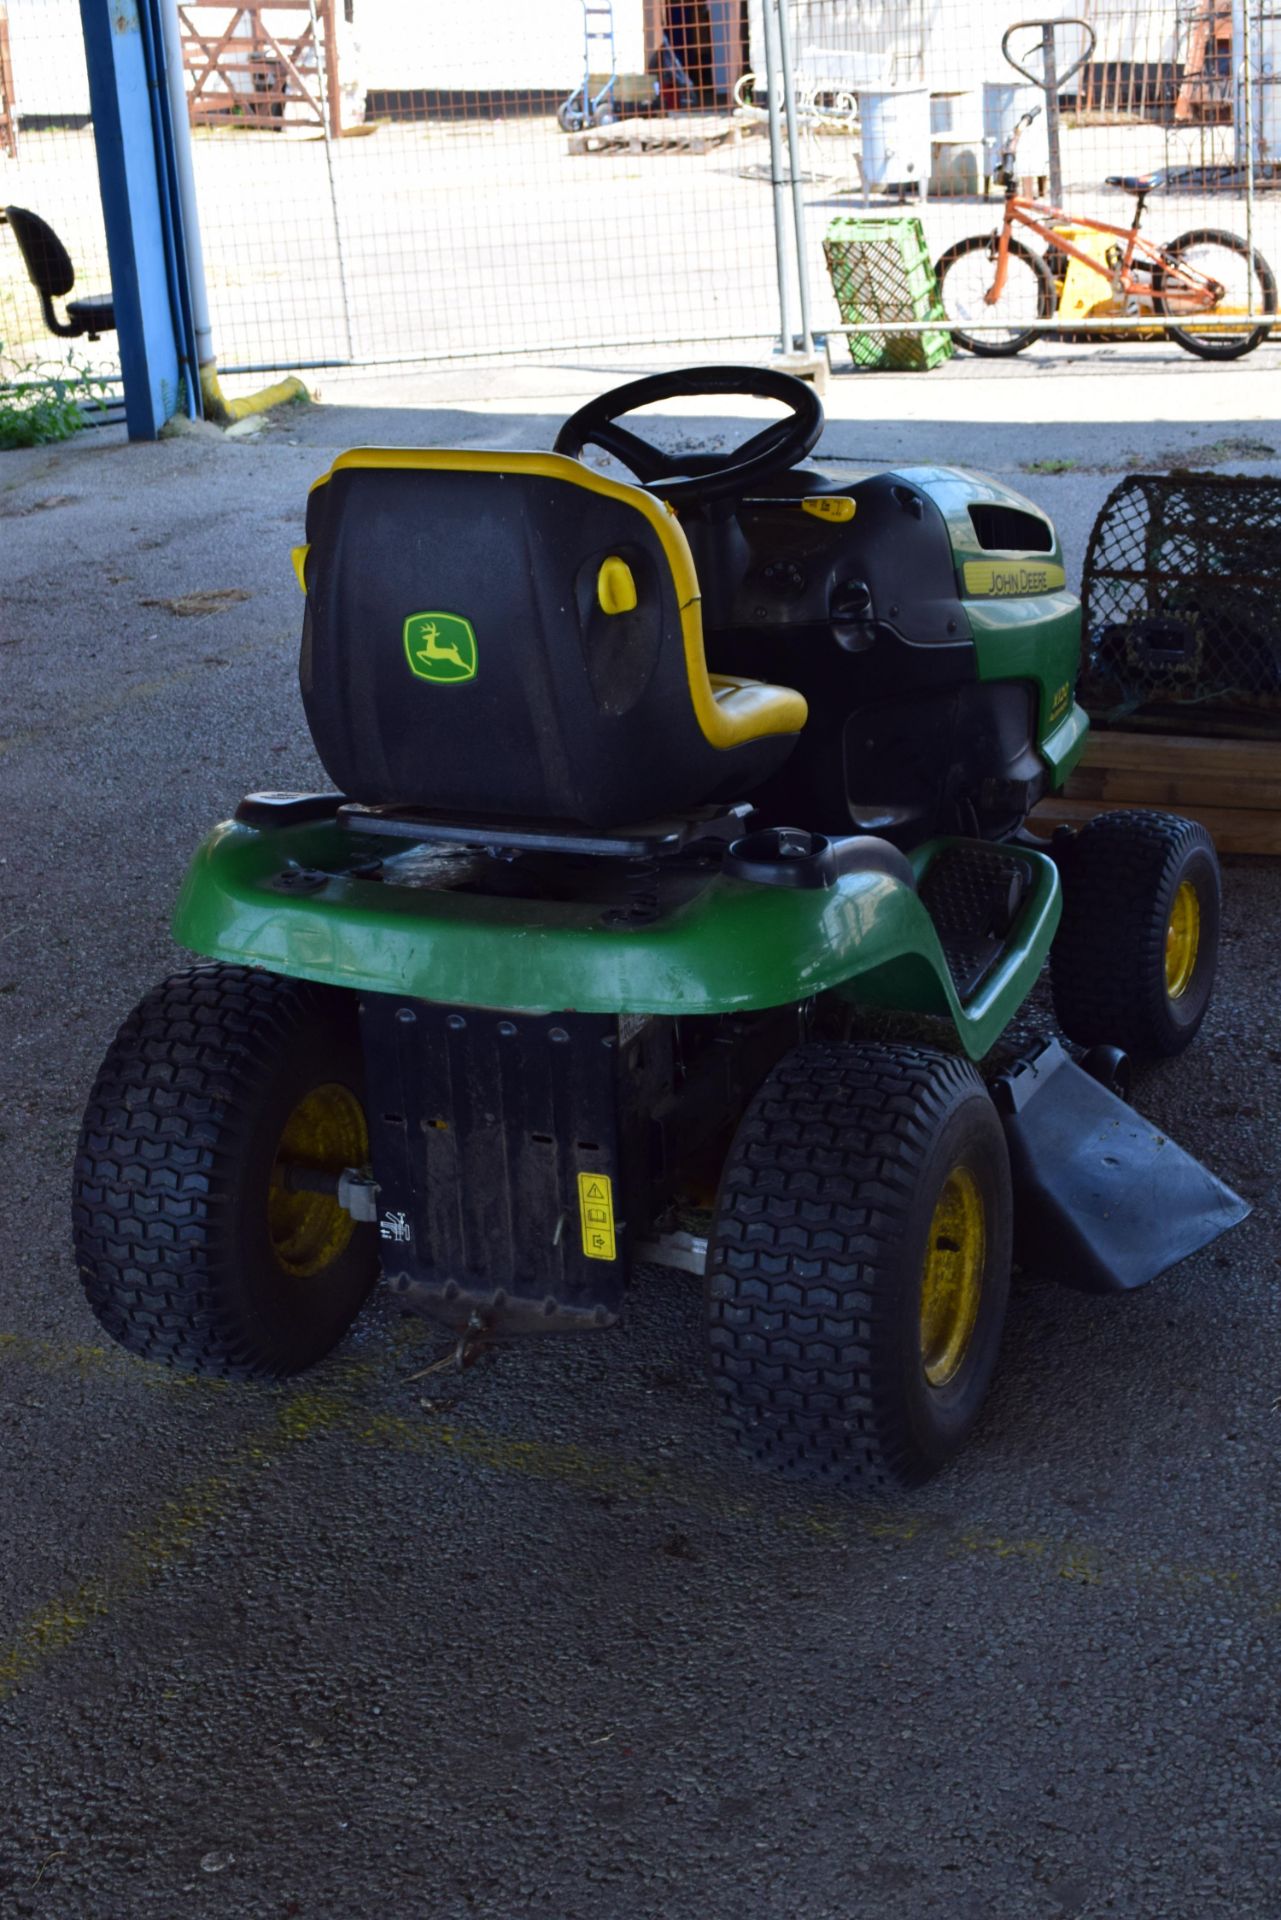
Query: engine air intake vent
{"points": [[1010, 530]]}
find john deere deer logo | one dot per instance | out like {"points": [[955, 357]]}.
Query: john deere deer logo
{"points": [[440, 647]]}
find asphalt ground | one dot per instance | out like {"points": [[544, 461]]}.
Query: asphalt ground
{"points": [[529, 1639]]}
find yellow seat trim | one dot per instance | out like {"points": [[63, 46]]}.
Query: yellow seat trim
{"points": [[753, 708], [730, 712]]}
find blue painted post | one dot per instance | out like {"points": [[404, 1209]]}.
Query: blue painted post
{"points": [[131, 172]]}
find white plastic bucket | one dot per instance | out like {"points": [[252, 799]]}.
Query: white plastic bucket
{"points": [[895, 125], [957, 165], [956, 114]]}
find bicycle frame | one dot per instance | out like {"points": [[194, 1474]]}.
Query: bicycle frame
{"points": [[1038, 215]]}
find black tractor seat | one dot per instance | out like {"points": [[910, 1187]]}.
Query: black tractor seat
{"points": [[515, 636], [52, 275]]}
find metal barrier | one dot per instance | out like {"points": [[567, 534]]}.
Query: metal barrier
{"points": [[417, 183]]}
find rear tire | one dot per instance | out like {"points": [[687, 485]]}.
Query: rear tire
{"points": [[1216, 346], [859, 1264], [1134, 959], [190, 1247], [1029, 283]]}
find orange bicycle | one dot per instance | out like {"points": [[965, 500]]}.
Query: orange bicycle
{"points": [[1205, 274]]}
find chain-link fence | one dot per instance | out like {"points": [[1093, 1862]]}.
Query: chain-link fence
{"points": [[48, 165], [385, 181]]}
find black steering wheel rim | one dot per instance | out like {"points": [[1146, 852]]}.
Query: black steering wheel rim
{"points": [[774, 448]]}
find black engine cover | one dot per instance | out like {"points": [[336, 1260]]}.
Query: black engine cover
{"points": [[496, 1149]]}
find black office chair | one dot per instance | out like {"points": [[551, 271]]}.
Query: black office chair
{"points": [[52, 275]]}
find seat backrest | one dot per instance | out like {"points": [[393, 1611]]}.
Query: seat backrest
{"points": [[47, 261], [511, 634]]}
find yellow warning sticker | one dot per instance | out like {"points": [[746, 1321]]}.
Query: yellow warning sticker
{"points": [[830, 506], [596, 1206], [1011, 579]]}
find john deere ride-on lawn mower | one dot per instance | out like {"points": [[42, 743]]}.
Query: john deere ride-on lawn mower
{"points": [[673, 904]]}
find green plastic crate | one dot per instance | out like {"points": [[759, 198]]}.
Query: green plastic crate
{"points": [[880, 270]]}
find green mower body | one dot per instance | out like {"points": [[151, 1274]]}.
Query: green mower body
{"points": [[665, 821], [304, 901]]}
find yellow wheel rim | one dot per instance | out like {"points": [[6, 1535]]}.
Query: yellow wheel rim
{"points": [[952, 1278], [1182, 940], [325, 1133]]}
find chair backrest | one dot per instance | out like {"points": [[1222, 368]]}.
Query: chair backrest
{"points": [[511, 634], [47, 261]]}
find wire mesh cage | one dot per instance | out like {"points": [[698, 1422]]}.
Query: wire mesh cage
{"points": [[1181, 597]]}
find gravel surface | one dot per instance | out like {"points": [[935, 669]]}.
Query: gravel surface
{"points": [[529, 1640]]}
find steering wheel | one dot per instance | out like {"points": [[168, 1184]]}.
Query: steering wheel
{"points": [[703, 476]]}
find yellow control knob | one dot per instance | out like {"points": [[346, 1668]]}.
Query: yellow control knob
{"points": [[615, 587], [830, 506]]}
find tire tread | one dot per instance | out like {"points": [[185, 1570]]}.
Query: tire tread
{"points": [[815, 1200], [1107, 963], [149, 1219]]}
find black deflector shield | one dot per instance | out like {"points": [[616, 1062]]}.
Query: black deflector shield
{"points": [[1103, 1200]]}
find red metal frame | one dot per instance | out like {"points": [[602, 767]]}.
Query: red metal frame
{"points": [[1201, 291]]}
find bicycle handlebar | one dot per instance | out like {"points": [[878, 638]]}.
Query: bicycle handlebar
{"points": [[1008, 152]]}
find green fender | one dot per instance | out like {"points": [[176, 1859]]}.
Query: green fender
{"points": [[730, 948]]}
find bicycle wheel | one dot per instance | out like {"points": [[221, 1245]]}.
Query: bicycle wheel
{"points": [[1178, 284], [967, 270]]}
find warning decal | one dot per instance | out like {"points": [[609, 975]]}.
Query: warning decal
{"points": [[596, 1206]]}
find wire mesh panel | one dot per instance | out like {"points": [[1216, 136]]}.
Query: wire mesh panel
{"points": [[1161, 117], [1182, 600], [48, 165], [522, 176], [410, 180]]}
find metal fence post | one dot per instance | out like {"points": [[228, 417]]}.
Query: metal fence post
{"points": [[1249, 165], [1053, 126], [794, 164], [330, 122], [772, 83], [1240, 91]]}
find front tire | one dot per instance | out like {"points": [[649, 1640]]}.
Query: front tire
{"points": [[1226, 258], [859, 1264], [967, 270], [194, 1244], [1134, 959]]}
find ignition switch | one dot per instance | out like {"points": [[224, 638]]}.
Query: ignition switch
{"points": [[851, 600], [851, 615]]}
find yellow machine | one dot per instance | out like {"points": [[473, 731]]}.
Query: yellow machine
{"points": [[1086, 293]]}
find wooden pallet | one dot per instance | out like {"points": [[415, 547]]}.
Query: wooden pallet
{"points": [[686, 134], [1233, 787]]}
